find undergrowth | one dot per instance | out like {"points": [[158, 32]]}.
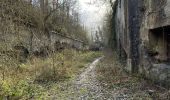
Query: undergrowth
{"points": [[112, 77], [27, 80]]}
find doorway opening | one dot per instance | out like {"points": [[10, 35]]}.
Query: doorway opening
{"points": [[159, 39]]}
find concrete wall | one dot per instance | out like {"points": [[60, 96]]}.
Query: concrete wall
{"points": [[73, 43], [34, 40], [159, 11], [137, 23], [123, 41], [127, 28], [156, 16]]}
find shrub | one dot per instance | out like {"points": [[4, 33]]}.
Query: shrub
{"points": [[26, 80], [15, 90]]}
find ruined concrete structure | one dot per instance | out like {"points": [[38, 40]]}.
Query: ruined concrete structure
{"points": [[58, 38], [143, 37], [25, 42]]}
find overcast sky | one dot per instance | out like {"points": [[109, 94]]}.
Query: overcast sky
{"points": [[92, 13]]}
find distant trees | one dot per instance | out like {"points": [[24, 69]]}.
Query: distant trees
{"points": [[105, 34], [108, 28], [45, 15]]}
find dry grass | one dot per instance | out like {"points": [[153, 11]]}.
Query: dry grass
{"points": [[25, 80], [112, 77]]}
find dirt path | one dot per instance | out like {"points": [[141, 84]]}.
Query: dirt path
{"points": [[87, 85], [88, 73], [83, 87]]}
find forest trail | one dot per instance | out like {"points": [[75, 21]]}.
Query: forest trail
{"points": [[84, 87], [88, 83], [103, 79], [89, 71]]}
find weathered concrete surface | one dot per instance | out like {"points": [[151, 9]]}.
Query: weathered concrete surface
{"points": [[57, 37], [127, 24], [143, 33], [35, 41], [160, 72]]}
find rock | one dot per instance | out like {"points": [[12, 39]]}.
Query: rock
{"points": [[160, 73]]}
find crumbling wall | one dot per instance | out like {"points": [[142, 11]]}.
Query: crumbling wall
{"points": [[123, 41], [20, 41], [153, 47], [128, 25], [144, 25], [69, 42]]}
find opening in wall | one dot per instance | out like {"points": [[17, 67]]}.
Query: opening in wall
{"points": [[159, 40]]}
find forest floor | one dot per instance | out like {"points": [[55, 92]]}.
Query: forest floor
{"points": [[83, 87], [104, 79], [122, 86], [80, 76], [43, 78]]}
